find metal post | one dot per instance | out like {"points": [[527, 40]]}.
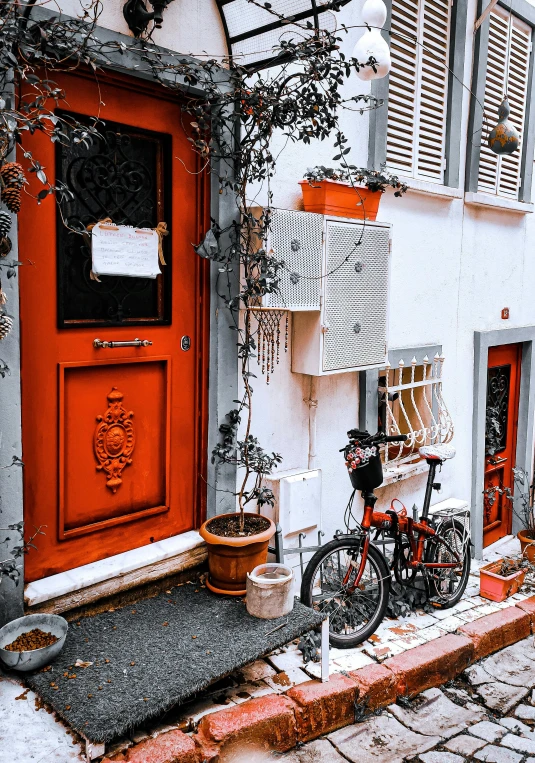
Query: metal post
{"points": [[301, 536], [325, 650], [94, 750]]}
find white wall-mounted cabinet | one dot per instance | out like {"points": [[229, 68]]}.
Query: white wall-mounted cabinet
{"points": [[335, 282]]}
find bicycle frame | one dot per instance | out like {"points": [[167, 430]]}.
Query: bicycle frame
{"points": [[417, 532]]}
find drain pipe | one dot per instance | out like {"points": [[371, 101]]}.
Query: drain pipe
{"points": [[312, 403]]}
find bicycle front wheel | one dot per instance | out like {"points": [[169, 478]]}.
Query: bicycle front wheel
{"points": [[329, 586]]}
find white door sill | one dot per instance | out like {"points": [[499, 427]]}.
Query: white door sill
{"points": [[83, 585]]}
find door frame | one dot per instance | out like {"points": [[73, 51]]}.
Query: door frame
{"points": [[483, 340]]}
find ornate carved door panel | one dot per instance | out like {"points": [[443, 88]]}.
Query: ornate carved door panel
{"points": [[112, 435], [503, 389]]}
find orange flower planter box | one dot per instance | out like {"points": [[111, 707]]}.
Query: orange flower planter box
{"points": [[330, 197], [496, 587]]}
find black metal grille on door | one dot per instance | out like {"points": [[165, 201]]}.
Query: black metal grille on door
{"points": [[120, 175], [498, 383]]}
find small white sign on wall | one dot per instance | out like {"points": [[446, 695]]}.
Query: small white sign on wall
{"points": [[120, 250]]}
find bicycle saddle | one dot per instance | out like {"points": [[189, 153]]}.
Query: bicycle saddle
{"points": [[437, 452]]}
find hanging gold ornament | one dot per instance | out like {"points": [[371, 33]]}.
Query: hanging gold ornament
{"points": [[269, 322], [504, 138]]}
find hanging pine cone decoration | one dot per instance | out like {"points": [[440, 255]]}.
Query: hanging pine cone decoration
{"points": [[11, 198], [12, 177], [5, 223], [12, 174], [6, 324]]}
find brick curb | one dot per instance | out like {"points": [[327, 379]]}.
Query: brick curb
{"points": [[310, 709]]}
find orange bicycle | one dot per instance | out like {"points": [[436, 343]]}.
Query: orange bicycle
{"points": [[349, 578]]}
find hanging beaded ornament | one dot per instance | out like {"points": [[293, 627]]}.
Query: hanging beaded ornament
{"points": [[269, 322], [6, 324]]}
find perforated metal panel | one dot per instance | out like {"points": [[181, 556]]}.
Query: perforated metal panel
{"points": [[297, 238], [356, 295]]}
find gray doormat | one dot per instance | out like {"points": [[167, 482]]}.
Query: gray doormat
{"points": [[160, 652]]}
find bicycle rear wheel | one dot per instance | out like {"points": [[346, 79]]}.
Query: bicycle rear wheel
{"points": [[448, 584], [326, 587]]}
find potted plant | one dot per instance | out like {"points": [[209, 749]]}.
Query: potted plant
{"points": [[523, 509], [347, 192], [238, 541], [521, 504], [501, 579]]}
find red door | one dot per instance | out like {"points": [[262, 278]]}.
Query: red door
{"points": [[112, 436], [503, 390]]}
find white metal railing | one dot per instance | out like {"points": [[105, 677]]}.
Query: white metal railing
{"points": [[419, 410]]}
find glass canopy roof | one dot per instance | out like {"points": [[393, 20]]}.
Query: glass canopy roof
{"points": [[254, 32]]}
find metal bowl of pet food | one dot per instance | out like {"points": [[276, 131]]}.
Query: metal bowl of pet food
{"points": [[32, 629]]}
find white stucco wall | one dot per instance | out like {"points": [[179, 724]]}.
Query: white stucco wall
{"points": [[454, 267], [190, 26]]}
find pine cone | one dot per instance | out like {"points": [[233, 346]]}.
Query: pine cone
{"points": [[6, 324], [5, 246], [12, 174], [5, 223], [11, 198]]}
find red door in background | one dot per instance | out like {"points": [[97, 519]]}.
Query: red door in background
{"points": [[112, 436], [503, 390]]}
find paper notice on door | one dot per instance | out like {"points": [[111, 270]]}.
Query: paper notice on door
{"points": [[120, 250]]}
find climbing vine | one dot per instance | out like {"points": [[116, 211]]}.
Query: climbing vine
{"points": [[231, 115]]}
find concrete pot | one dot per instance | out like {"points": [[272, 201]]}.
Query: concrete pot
{"points": [[270, 591], [230, 559]]}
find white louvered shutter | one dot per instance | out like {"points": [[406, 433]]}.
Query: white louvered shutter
{"points": [[507, 73], [418, 88]]}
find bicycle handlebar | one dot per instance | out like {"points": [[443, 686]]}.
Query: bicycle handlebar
{"points": [[366, 439]]}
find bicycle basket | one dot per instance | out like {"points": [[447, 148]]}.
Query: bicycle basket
{"points": [[364, 466]]}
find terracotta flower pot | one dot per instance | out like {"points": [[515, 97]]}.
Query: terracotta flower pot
{"points": [[230, 559], [497, 587], [330, 197], [527, 545]]}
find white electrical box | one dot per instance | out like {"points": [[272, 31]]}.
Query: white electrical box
{"points": [[297, 238], [297, 494], [336, 283]]}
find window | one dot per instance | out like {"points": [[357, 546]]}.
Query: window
{"points": [[503, 65], [122, 175], [508, 60], [418, 88], [405, 397]]}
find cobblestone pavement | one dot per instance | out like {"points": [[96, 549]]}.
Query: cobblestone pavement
{"points": [[488, 714]]}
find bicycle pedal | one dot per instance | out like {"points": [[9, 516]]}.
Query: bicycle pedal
{"points": [[436, 603]]}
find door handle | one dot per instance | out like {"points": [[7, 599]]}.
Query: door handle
{"points": [[496, 461], [98, 343]]}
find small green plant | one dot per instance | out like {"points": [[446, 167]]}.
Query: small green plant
{"points": [[374, 180], [520, 499], [522, 507], [9, 568]]}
